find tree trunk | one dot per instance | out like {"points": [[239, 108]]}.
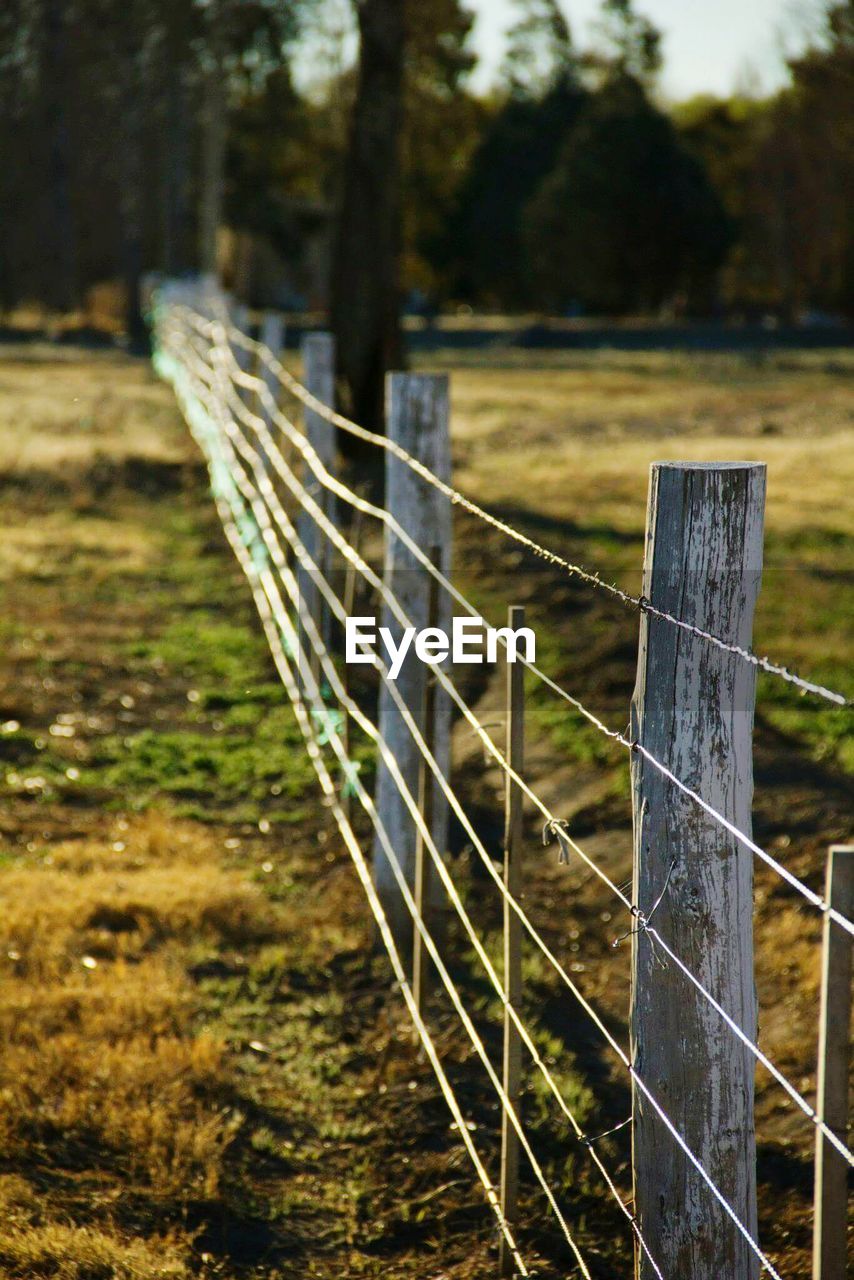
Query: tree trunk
{"points": [[132, 179], [62, 285], [176, 248], [214, 114], [365, 301]]}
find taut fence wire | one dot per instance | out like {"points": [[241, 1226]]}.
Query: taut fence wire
{"points": [[231, 390]]}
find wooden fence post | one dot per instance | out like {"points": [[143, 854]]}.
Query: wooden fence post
{"points": [[318, 355], [693, 710], [831, 1168], [207, 296], [513, 800], [272, 336], [418, 419], [239, 316]]}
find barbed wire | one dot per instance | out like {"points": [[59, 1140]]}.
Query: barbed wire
{"points": [[409, 799], [332, 738], [336, 686], [375, 904], [263, 482], [311, 458], [225, 383], [592, 578], [765, 1262], [552, 823], [322, 474]]}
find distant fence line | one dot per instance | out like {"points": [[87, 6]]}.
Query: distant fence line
{"points": [[693, 1048]]}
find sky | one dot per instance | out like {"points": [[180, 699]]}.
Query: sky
{"points": [[710, 46]]}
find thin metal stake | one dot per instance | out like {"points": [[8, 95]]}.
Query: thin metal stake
{"points": [[831, 1170], [349, 601], [425, 805], [513, 799], [351, 573]]}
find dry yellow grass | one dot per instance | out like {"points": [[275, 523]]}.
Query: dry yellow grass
{"points": [[562, 448], [582, 438], [55, 916], [102, 1047], [62, 543], [61, 413], [30, 1249]]}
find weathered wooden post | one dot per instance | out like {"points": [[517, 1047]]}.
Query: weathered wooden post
{"points": [[693, 710], [239, 315], [831, 1167], [318, 356], [513, 799], [271, 336], [418, 419], [207, 296]]}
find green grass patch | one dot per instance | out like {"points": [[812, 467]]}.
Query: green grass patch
{"points": [[231, 773]]}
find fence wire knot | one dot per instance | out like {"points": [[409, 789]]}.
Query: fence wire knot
{"points": [[558, 829], [644, 921], [588, 1142]]}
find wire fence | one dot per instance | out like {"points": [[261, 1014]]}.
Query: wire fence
{"points": [[281, 502]]}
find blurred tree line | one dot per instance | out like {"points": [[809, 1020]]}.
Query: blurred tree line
{"points": [[130, 130], [114, 118], [582, 193]]}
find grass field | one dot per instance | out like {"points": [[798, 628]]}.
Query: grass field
{"points": [[204, 1071]]}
